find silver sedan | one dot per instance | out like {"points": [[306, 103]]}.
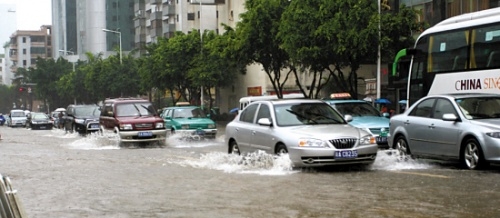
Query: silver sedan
{"points": [[310, 131], [454, 127]]}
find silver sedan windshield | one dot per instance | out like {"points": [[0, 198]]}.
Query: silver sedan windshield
{"points": [[480, 108], [306, 114]]}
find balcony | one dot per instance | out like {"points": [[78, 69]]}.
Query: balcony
{"points": [[168, 28], [169, 10], [157, 15], [208, 2], [140, 22]]}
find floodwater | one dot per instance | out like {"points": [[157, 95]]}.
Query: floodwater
{"points": [[68, 175]]}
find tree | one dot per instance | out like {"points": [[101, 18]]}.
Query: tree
{"points": [[259, 41], [338, 36], [212, 68]]}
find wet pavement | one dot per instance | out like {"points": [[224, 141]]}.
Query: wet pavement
{"points": [[67, 175]]}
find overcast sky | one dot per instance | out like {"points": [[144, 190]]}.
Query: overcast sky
{"points": [[31, 14]]}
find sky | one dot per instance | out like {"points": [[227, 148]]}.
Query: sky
{"points": [[31, 14]]}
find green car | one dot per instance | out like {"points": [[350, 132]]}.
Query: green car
{"points": [[190, 121]]}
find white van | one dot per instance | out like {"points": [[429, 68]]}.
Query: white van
{"points": [[17, 118], [249, 99]]}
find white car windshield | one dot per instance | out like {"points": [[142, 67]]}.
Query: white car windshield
{"points": [[357, 109], [480, 107], [18, 114], [306, 114]]}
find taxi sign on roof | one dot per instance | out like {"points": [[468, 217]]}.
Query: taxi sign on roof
{"points": [[340, 95]]}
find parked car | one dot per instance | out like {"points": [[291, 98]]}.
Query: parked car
{"points": [[312, 133], [134, 120], [189, 121], [364, 116], [2, 119], [463, 128], [38, 120], [83, 119], [16, 118]]}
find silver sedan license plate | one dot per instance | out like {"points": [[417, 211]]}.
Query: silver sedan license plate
{"points": [[346, 154]]}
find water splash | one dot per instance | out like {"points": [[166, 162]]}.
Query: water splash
{"points": [[255, 163], [391, 160]]}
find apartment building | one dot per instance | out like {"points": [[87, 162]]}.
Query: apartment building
{"points": [[27, 45]]}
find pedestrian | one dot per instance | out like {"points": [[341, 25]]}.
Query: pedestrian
{"points": [[59, 120]]}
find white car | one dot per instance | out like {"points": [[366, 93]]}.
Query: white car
{"points": [[16, 118], [312, 133]]}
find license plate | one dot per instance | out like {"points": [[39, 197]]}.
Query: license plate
{"points": [[94, 126], [145, 134], [42, 127], [200, 132], [381, 139], [346, 154]]}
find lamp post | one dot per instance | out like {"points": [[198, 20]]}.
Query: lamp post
{"points": [[66, 54], [120, 35], [378, 53], [202, 98]]}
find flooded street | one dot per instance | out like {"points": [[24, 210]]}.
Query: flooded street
{"points": [[67, 175]]}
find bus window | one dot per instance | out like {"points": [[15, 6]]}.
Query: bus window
{"points": [[448, 51], [486, 47]]}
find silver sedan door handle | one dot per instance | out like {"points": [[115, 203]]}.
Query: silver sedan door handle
{"points": [[432, 126], [253, 132]]}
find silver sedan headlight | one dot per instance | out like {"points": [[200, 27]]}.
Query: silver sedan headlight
{"points": [[493, 134], [308, 142], [367, 140]]}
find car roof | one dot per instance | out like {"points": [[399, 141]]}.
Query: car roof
{"points": [[181, 107], [290, 101], [119, 100], [334, 101], [465, 95]]}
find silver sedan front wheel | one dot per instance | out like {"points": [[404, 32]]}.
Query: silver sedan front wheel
{"points": [[472, 155], [233, 148], [401, 147]]}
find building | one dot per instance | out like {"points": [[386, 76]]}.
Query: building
{"points": [[79, 27], [27, 45]]}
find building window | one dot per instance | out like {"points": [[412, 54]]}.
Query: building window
{"points": [[217, 14], [24, 51], [190, 16], [24, 39], [177, 18], [198, 14], [24, 63]]}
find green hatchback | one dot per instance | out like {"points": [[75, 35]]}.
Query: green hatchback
{"points": [[190, 121]]}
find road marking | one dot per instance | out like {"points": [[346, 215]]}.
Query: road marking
{"points": [[425, 174]]}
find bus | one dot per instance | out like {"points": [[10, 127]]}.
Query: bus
{"points": [[458, 55]]}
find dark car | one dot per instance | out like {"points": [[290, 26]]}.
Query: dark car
{"points": [[39, 121], [135, 120], [83, 119]]}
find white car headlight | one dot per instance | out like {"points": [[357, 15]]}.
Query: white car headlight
{"points": [[493, 134], [126, 127], [79, 121], [306, 142], [159, 126], [367, 140]]}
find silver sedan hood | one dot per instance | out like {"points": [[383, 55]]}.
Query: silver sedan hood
{"points": [[327, 132]]}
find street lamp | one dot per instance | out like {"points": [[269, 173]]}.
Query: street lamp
{"points": [[378, 53], [120, 35], [202, 96]]}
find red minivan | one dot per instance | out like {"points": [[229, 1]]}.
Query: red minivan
{"points": [[135, 120]]}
